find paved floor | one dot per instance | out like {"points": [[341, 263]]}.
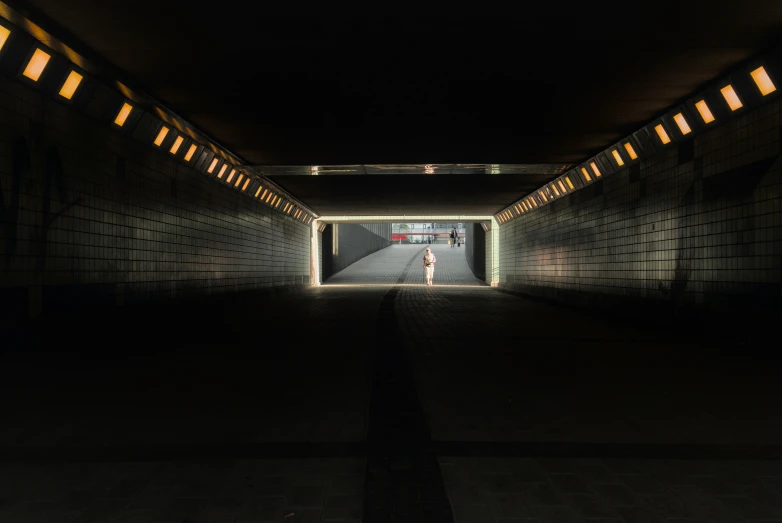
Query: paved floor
{"points": [[376, 398]]}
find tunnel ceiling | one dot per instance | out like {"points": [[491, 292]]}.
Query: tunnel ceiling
{"points": [[549, 86]]}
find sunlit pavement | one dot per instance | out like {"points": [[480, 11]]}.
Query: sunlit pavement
{"points": [[322, 405]]}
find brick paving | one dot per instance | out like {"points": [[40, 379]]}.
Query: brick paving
{"points": [[536, 413]]}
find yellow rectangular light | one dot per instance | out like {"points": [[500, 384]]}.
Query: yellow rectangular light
{"points": [[617, 158], [213, 165], [246, 183], [279, 201], [631, 151], [562, 186], [264, 193], [190, 152], [222, 171], [681, 121], [556, 191], [36, 65], [258, 191], [534, 202], [70, 85], [269, 197], [664, 138], [230, 176], [161, 135], [595, 169], [763, 82], [4, 34], [705, 112], [177, 144], [545, 198], [586, 174], [123, 114], [238, 180], [731, 97], [569, 183]]}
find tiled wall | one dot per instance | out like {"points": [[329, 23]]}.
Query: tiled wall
{"points": [[91, 216], [698, 224]]}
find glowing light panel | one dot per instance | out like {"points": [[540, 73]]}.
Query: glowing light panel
{"points": [[4, 34], [36, 65], [595, 169], [731, 97], [569, 183], [212, 165], [586, 174], [161, 135], [705, 112], [664, 138], [617, 158], [70, 85], [684, 127], [190, 152], [631, 151], [762, 80]]}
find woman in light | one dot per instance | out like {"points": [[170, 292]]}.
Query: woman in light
{"points": [[428, 264]]}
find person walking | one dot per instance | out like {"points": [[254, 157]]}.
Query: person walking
{"points": [[428, 264], [454, 235]]}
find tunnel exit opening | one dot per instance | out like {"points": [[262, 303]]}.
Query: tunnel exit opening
{"points": [[341, 241]]}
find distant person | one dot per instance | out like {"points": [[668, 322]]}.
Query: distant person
{"points": [[454, 236], [428, 264]]}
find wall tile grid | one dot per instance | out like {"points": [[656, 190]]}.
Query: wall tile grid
{"points": [[705, 231], [87, 208]]}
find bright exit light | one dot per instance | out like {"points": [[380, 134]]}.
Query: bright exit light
{"points": [[617, 158], [190, 152], [70, 85], [4, 34], [177, 144], [684, 127], [731, 97], [161, 135], [705, 112], [763, 82], [36, 65], [631, 151], [664, 138]]}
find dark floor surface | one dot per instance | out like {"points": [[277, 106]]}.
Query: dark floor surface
{"points": [[376, 396]]}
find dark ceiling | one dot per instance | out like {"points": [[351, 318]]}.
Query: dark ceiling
{"points": [[550, 85]]}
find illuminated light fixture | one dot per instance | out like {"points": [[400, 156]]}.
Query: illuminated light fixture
{"points": [[290, 209], [586, 174], [70, 85], [524, 205], [258, 191], [569, 183], [123, 114], [230, 176], [562, 186], [429, 168], [762, 80], [161, 135], [617, 158], [595, 169], [664, 138], [535, 203], [213, 165], [704, 111], [518, 208], [731, 97], [246, 183], [279, 201], [177, 144], [556, 191], [190, 152], [285, 209], [4, 34], [264, 193], [630, 151], [545, 198], [222, 171], [238, 180], [684, 127], [269, 197], [36, 65]]}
